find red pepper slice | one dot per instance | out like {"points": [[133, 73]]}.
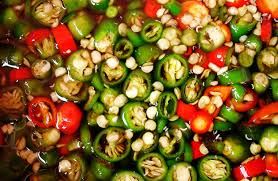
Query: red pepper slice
{"points": [[2, 141], [22, 73], [42, 112], [195, 145], [218, 56], [236, 3], [63, 143], [151, 7], [266, 29], [252, 168], [186, 111], [268, 6], [64, 40], [188, 52], [68, 118], [263, 115], [37, 35], [271, 161], [204, 61], [244, 106], [202, 122]]}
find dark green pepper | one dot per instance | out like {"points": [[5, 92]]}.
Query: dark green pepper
{"points": [[274, 88], [35, 87], [230, 114], [220, 125], [85, 137], [250, 132], [151, 31], [246, 57], [134, 116], [111, 144], [8, 17], [147, 53], [269, 139], [254, 42], [49, 158], [56, 61], [237, 75], [214, 167], [74, 5], [260, 82], [188, 152], [223, 13], [127, 174], [238, 92], [174, 7], [137, 85], [267, 62], [152, 162], [161, 124], [97, 82], [181, 125], [11, 55], [135, 38], [123, 48], [115, 76], [214, 142], [21, 29], [210, 79], [192, 90], [167, 104], [102, 169], [181, 171], [99, 6], [172, 70], [41, 69]]}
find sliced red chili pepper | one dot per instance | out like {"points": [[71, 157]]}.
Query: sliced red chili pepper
{"points": [[202, 122], [42, 112], [244, 106], [236, 3], [204, 61], [151, 7], [252, 168], [188, 52], [227, 32], [63, 144], [22, 73], [64, 40], [263, 115], [68, 118], [186, 111], [266, 29], [195, 145], [271, 162], [37, 35], [218, 56], [2, 141], [268, 6]]}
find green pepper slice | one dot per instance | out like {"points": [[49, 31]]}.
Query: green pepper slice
{"points": [[85, 137], [93, 97], [167, 104], [45, 138], [99, 6], [161, 124], [214, 167], [189, 37], [107, 96], [269, 139], [181, 171], [188, 152], [211, 37], [230, 114], [237, 75], [74, 5], [151, 31], [97, 82], [111, 144], [11, 55], [80, 65], [123, 48], [127, 175], [21, 29], [254, 42], [238, 92], [260, 82], [172, 70], [267, 62], [115, 76], [134, 116], [152, 166], [140, 83], [192, 90], [174, 7], [250, 132], [219, 125], [49, 158], [147, 53], [102, 169], [134, 17], [35, 87], [71, 89], [147, 148], [246, 58], [8, 17], [274, 88], [135, 38], [182, 126], [41, 69]]}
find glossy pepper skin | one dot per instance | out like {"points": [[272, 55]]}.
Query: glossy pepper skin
{"points": [[127, 174], [123, 48], [162, 72], [204, 170], [181, 170], [100, 6], [265, 65], [74, 5], [269, 139], [151, 31], [147, 53], [102, 169], [236, 75], [195, 85], [48, 159], [167, 104], [274, 87]]}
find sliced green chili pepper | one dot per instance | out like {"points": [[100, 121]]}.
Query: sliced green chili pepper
{"points": [[49, 158], [98, 108], [216, 146], [221, 168], [151, 31], [174, 147], [135, 16], [135, 38], [85, 137], [230, 114], [114, 120], [161, 125], [106, 35], [71, 89], [269, 139], [113, 77], [41, 69], [107, 96], [219, 125], [254, 42], [223, 13], [123, 48], [274, 88], [8, 17], [140, 81], [236, 75], [74, 5], [35, 87], [167, 104], [135, 4], [250, 132], [80, 65], [102, 169], [174, 7], [246, 58], [92, 118], [192, 90], [189, 37], [134, 116], [172, 70], [127, 174], [99, 6], [267, 62], [209, 79], [147, 53], [56, 61], [182, 126], [45, 138], [68, 17], [211, 37], [260, 82], [188, 153], [111, 144], [240, 26], [238, 92], [21, 29], [181, 171], [147, 148], [81, 25], [97, 82], [152, 162], [11, 55], [112, 11]]}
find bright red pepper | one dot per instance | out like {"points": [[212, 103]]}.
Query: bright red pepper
{"points": [[64, 40], [188, 52], [22, 73], [42, 112], [218, 56], [202, 122], [236, 3], [68, 118], [186, 111], [252, 168], [195, 145], [266, 29], [63, 143], [244, 106], [268, 6], [271, 162], [151, 7], [263, 115], [37, 35]]}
